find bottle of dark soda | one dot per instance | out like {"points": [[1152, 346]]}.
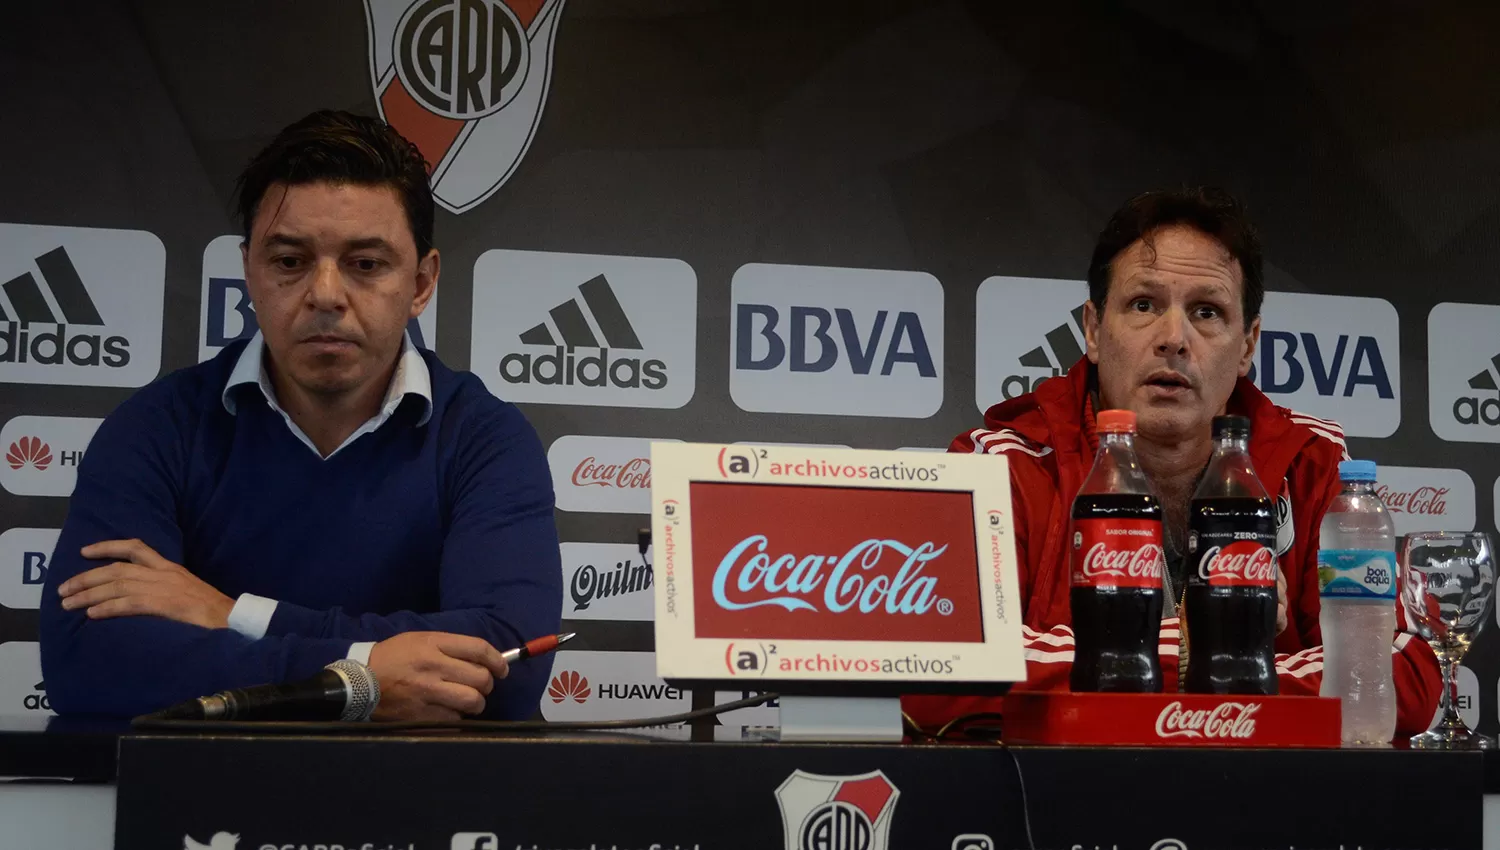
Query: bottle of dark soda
{"points": [[1230, 616], [1116, 565]]}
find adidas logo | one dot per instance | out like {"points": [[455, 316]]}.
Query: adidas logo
{"points": [[1472, 410], [592, 320], [23, 341], [1064, 348], [37, 701]]}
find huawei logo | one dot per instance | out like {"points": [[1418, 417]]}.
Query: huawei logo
{"points": [[569, 685], [29, 451]]}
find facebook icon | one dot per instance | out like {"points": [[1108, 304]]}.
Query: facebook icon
{"points": [[474, 841]]}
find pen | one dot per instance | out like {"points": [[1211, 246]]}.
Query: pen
{"points": [[536, 646]]}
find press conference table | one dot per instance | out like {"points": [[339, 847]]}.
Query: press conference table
{"points": [[90, 785]]}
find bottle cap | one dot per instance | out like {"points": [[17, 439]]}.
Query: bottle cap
{"points": [[1357, 470], [1231, 426], [1116, 421]]}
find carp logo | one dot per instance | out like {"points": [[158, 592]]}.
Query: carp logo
{"points": [[837, 812], [465, 81]]}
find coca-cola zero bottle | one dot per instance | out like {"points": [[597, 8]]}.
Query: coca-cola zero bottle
{"points": [[1230, 618], [1116, 568]]}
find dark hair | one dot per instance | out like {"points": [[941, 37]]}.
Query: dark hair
{"points": [[1213, 212], [341, 147]]}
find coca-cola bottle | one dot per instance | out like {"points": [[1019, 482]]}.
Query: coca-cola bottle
{"points": [[1230, 618], [1116, 565]]}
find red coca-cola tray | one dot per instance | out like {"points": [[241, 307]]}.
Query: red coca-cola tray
{"points": [[1170, 720]]}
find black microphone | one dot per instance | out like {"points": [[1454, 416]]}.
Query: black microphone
{"points": [[344, 690]]}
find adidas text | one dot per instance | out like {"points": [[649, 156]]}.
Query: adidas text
{"points": [[1471, 410], [564, 367], [30, 344]]}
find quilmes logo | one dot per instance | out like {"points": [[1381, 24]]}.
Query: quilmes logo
{"points": [[820, 812], [1463, 372], [42, 453], [80, 306], [606, 581], [585, 329], [857, 342], [466, 81], [1027, 330], [23, 693], [590, 685], [225, 314], [24, 553], [1423, 499]]}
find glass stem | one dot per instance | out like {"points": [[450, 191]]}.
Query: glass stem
{"points": [[1448, 701]]}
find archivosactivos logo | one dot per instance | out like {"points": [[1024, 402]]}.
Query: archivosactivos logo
{"points": [[834, 563], [757, 462]]}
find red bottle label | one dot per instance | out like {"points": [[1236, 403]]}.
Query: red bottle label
{"points": [[1243, 563], [1117, 553]]}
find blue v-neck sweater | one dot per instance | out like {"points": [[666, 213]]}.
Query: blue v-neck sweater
{"points": [[444, 526]]}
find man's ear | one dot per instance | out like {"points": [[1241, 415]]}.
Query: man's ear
{"points": [[1252, 339], [1091, 330], [428, 269]]}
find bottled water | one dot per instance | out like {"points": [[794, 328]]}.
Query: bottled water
{"points": [[1357, 577]]}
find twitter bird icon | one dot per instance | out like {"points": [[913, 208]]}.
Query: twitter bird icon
{"points": [[220, 841]]}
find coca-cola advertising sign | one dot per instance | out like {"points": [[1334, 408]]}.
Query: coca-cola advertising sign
{"points": [[837, 563], [1171, 720], [1243, 563], [602, 474], [1425, 499], [1117, 553], [1227, 720]]}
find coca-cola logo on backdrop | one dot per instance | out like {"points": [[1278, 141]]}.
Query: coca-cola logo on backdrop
{"points": [[602, 474], [834, 563], [1427, 499], [633, 473]]}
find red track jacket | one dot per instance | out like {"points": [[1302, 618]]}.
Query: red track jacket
{"points": [[1049, 440]]}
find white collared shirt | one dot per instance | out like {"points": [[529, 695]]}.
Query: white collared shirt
{"points": [[251, 615]]}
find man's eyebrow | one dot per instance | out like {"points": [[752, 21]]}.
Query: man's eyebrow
{"points": [[368, 243], [286, 240]]}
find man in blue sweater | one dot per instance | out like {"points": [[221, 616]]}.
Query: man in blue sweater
{"points": [[326, 490]]}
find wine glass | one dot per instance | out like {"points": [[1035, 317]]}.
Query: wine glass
{"points": [[1448, 588]]}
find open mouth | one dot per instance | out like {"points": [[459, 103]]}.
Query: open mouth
{"points": [[1168, 381]]}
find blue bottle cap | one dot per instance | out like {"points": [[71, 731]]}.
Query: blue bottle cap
{"points": [[1357, 470]]}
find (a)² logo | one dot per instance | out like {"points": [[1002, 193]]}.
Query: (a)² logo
{"points": [[466, 81], [837, 812]]}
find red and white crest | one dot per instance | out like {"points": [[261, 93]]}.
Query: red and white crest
{"points": [[837, 812], [465, 80]]}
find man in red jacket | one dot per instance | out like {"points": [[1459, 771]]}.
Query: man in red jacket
{"points": [[1173, 317]]}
